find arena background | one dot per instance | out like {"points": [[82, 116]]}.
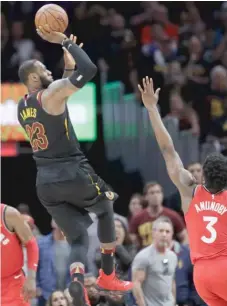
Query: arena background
{"points": [[18, 172]]}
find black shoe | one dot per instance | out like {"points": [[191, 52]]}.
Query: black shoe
{"points": [[78, 294]]}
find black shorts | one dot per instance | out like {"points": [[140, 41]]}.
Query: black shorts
{"points": [[69, 202]]}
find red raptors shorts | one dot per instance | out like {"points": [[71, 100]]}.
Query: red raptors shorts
{"points": [[11, 290], [210, 278]]}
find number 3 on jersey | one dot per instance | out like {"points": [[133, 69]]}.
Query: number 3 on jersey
{"points": [[37, 136], [213, 233]]}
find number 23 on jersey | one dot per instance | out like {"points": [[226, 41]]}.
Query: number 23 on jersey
{"points": [[211, 221], [37, 136]]}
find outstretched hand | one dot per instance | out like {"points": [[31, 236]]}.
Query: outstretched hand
{"points": [[68, 59], [149, 96]]}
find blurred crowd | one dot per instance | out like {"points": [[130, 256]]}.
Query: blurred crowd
{"points": [[184, 50], [187, 57]]}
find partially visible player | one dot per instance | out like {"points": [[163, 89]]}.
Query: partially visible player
{"points": [[15, 232], [205, 207]]}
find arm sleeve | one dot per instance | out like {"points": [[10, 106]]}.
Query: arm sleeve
{"points": [[86, 69], [32, 254]]}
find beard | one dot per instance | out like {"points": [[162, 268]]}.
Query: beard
{"points": [[45, 82]]}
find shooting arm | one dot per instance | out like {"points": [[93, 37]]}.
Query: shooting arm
{"points": [[17, 223], [62, 89], [86, 70]]}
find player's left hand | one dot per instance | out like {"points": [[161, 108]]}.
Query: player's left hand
{"points": [[68, 59], [51, 36], [149, 96], [29, 289]]}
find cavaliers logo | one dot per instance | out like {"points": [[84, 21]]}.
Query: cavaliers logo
{"points": [[109, 195]]}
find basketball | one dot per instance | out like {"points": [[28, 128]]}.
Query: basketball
{"points": [[53, 15]]}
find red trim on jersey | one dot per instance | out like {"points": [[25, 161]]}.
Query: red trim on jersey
{"points": [[195, 189], [39, 95]]}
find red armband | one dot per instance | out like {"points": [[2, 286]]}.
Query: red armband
{"points": [[32, 254]]}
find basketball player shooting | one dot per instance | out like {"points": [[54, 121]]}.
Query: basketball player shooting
{"points": [[205, 207], [15, 232], [66, 183]]}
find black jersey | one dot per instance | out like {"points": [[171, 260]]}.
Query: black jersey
{"points": [[52, 137]]}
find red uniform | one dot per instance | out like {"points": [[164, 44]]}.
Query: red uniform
{"points": [[206, 222], [12, 276]]}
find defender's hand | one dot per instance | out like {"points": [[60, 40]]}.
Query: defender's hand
{"points": [[50, 36], [149, 96], [29, 289], [68, 59]]}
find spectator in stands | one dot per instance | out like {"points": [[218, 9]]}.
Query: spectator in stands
{"points": [[196, 68], [94, 243], [24, 47], [211, 109], [196, 170], [218, 108], [222, 16], [117, 53], [53, 272], [154, 55], [183, 275], [156, 13], [174, 201], [185, 289], [141, 225], [175, 76], [161, 16], [153, 268], [24, 210], [90, 284], [6, 50], [224, 60], [174, 82], [4, 31], [57, 298], [197, 25], [185, 114], [125, 250], [136, 205]]}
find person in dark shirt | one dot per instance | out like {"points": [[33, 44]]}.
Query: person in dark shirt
{"points": [[197, 69], [211, 108], [67, 185], [141, 224]]}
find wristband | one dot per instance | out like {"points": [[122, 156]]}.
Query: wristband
{"points": [[68, 69], [62, 43]]}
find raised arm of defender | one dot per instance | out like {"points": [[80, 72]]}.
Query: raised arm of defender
{"points": [[61, 89], [182, 178]]}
